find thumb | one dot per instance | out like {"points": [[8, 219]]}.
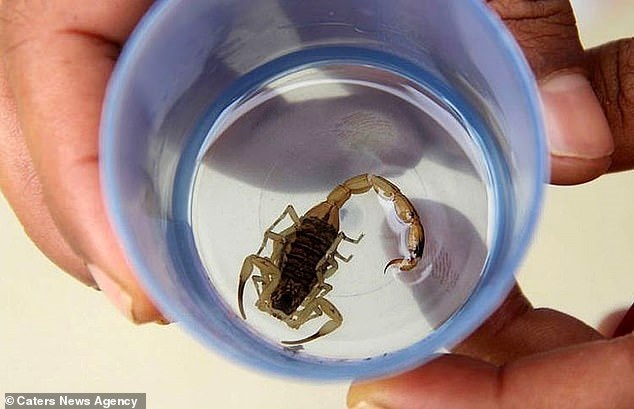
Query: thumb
{"points": [[580, 139], [589, 118], [611, 69], [586, 376]]}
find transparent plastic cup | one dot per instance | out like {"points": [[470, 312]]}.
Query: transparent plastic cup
{"points": [[222, 114]]}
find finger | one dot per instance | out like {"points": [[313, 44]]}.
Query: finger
{"points": [[22, 189], [516, 330], [589, 376], [612, 77], [626, 326], [580, 141], [59, 56]]}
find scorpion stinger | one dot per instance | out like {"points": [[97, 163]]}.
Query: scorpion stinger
{"points": [[291, 286]]}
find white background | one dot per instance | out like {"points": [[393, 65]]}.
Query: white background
{"points": [[58, 336]]}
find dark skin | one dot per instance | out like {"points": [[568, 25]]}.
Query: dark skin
{"points": [[57, 57]]}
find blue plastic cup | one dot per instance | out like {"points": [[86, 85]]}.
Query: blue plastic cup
{"points": [[221, 114]]}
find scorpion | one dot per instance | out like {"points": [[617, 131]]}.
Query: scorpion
{"points": [[292, 282]]}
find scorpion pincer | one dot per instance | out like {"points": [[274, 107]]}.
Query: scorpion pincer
{"points": [[292, 282]]}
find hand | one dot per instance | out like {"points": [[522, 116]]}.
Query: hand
{"points": [[539, 358], [57, 57]]}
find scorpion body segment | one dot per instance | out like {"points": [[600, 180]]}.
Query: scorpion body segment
{"points": [[292, 285], [298, 268]]}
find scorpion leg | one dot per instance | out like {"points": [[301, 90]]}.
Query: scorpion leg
{"points": [[258, 282], [332, 269], [349, 240], [326, 307], [271, 276], [309, 310], [269, 234], [329, 258]]}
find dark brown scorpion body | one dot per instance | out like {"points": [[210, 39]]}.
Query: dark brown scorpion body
{"points": [[313, 238], [292, 284]]}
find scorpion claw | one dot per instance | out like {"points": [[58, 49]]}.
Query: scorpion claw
{"points": [[404, 264], [240, 301], [326, 329]]}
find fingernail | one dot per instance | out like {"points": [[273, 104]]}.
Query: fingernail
{"points": [[366, 405], [113, 291], [162, 321], [575, 122]]}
